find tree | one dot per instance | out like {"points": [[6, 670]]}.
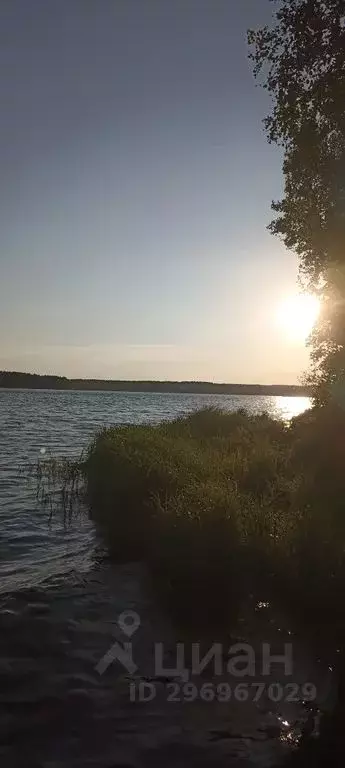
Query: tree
{"points": [[300, 60]]}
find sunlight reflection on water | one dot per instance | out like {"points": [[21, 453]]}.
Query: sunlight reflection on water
{"points": [[289, 407]]}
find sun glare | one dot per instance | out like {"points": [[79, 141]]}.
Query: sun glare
{"points": [[298, 315]]}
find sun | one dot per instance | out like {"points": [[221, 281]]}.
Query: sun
{"points": [[298, 314]]}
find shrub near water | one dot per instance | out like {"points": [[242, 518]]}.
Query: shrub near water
{"points": [[217, 503], [191, 497]]}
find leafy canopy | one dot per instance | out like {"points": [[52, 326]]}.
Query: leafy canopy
{"points": [[300, 60]]}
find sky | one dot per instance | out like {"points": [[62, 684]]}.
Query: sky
{"points": [[135, 188]]}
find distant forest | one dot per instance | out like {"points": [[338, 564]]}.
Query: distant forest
{"points": [[17, 380]]}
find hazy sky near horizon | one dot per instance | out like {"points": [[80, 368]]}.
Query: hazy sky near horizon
{"points": [[135, 188]]}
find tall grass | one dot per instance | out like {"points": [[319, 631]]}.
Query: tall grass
{"points": [[60, 486], [215, 502], [191, 497]]}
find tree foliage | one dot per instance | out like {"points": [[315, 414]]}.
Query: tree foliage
{"points": [[300, 60]]}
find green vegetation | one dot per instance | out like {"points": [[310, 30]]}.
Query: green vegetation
{"points": [[300, 61], [217, 502]]}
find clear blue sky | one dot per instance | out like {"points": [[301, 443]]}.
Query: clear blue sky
{"points": [[135, 191]]}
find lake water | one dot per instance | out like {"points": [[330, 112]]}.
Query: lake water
{"points": [[60, 600], [35, 423]]}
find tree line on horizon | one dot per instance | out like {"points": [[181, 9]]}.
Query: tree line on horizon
{"points": [[19, 380]]}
